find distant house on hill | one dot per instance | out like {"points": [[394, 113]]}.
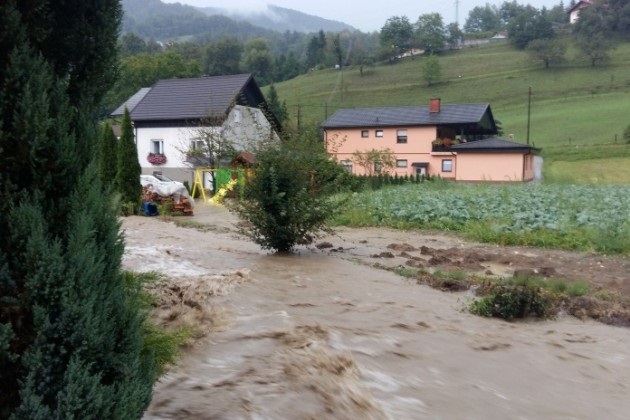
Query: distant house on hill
{"points": [[574, 12], [454, 141], [174, 118]]}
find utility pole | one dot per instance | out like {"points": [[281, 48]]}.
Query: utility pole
{"points": [[529, 111]]}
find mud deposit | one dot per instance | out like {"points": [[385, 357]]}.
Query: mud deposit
{"points": [[330, 334]]}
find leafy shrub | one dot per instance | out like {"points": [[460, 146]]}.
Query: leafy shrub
{"points": [[286, 202], [515, 301], [129, 208]]}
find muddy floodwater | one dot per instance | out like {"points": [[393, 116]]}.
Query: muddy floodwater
{"points": [[329, 334]]}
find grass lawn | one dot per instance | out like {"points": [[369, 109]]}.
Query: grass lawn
{"points": [[593, 171]]}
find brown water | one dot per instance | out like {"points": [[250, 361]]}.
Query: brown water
{"points": [[324, 335]]}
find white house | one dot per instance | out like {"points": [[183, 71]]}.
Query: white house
{"points": [[174, 119], [574, 12]]}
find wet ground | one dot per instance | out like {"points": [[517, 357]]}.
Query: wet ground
{"points": [[328, 333]]}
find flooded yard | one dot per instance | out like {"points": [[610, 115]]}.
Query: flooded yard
{"points": [[329, 333]]}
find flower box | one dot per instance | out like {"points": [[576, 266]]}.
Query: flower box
{"points": [[156, 158]]}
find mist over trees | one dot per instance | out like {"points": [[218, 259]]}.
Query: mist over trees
{"points": [[277, 56]]}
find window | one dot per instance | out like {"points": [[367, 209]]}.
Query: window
{"points": [[401, 136], [365, 133], [347, 165], [237, 115], [401, 163], [157, 146], [378, 166], [197, 144], [447, 165], [378, 133]]}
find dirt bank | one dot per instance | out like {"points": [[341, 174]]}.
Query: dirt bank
{"points": [[325, 334]]}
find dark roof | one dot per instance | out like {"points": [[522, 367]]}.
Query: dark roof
{"points": [[198, 98], [407, 116], [131, 103], [582, 4], [492, 144]]}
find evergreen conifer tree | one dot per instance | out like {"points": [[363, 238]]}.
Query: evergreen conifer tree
{"points": [[128, 173], [71, 340], [108, 156], [275, 106]]}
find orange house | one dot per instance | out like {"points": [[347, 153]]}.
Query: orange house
{"points": [[453, 141]]}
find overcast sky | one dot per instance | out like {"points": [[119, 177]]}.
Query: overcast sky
{"points": [[367, 15]]}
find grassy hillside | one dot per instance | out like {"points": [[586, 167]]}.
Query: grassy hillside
{"points": [[572, 105]]}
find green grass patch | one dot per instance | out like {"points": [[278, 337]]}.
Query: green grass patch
{"points": [[600, 171], [163, 344]]}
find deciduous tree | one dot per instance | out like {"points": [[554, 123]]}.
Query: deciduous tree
{"points": [[223, 57], [431, 69], [528, 25], [430, 33], [374, 161], [483, 19], [549, 51], [397, 34], [287, 202], [258, 60]]}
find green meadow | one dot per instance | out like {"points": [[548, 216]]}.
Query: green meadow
{"points": [[577, 115]]}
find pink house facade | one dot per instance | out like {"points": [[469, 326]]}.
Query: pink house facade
{"points": [[455, 141]]}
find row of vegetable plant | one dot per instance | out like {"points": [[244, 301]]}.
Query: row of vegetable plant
{"points": [[564, 216]]}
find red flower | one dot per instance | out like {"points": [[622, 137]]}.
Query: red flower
{"points": [[156, 158]]}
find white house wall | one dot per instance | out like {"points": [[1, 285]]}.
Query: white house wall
{"points": [[176, 141], [247, 128]]}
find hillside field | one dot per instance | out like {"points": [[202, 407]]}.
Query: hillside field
{"points": [[573, 105]]}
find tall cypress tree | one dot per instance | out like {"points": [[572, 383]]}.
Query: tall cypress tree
{"points": [[71, 343], [108, 156], [128, 175]]}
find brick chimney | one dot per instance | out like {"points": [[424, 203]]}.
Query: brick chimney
{"points": [[434, 105]]}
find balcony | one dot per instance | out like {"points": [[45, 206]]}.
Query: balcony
{"points": [[443, 145]]}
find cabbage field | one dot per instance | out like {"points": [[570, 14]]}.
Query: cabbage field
{"points": [[553, 215]]}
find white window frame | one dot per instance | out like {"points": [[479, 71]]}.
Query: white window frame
{"points": [[447, 165], [157, 146], [401, 135], [197, 144], [378, 133], [402, 163]]}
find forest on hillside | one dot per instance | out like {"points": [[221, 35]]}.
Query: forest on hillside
{"points": [[217, 45]]}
